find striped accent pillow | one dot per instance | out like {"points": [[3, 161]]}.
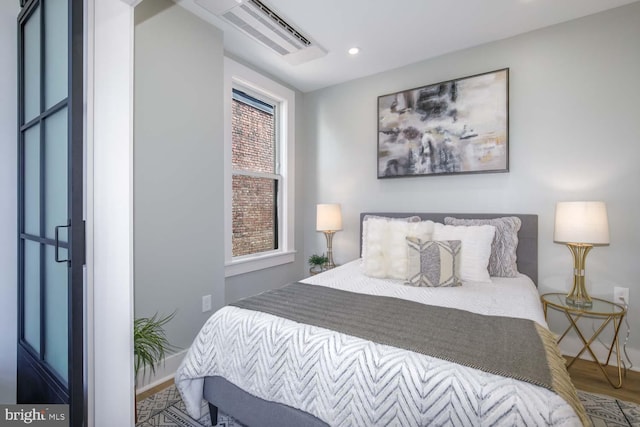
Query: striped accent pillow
{"points": [[433, 263]]}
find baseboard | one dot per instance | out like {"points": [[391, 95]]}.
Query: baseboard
{"points": [[570, 346], [164, 372]]}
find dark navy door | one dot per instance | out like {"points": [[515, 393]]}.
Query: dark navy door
{"points": [[51, 243]]}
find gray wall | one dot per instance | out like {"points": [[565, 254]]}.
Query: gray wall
{"points": [[8, 200], [574, 134], [178, 173], [178, 169]]}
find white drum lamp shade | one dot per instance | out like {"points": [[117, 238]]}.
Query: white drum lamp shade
{"points": [[328, 217], [581, 222]]}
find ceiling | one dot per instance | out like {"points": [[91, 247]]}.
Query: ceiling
{"points": [[391, 34]]}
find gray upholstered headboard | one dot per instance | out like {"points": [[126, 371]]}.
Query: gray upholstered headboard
{"points": [[527, 251]]}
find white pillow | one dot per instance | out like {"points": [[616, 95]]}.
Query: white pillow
{"points": [[476, 248], [384, 245], [374, 232]]}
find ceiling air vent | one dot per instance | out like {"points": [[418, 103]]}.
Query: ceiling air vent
{"points": [[260, 22]]}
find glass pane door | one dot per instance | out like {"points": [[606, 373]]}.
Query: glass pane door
{"points": [[51, 228]]}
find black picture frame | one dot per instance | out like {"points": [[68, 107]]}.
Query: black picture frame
{"points": [[458, 126]]}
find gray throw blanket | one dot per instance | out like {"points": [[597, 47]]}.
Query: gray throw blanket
{"points": [[509, 347]]}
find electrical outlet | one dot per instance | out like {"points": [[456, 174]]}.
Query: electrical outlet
{"points": [[621, 295], [206, 303]]}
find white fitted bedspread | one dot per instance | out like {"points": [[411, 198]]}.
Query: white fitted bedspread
{"points": [[348, 381]]}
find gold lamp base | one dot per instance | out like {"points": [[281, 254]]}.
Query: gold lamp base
{"points": [[329, 236], [578, 296]]}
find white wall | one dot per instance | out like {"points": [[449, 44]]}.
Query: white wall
{"points": [[178, 167], [574, 134], [109, 213], [8, 200]]}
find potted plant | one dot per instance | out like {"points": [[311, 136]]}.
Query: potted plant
{"points": [[317, 263], [149, 344]]}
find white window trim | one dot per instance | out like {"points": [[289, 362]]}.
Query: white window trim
{"points": [[238, 76]]}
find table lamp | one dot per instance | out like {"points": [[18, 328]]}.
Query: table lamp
{"points": [[329, 220], [581, 226]]}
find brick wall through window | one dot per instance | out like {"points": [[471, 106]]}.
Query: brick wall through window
{"points": [[254, 198]]}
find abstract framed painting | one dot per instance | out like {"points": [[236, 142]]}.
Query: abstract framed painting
{"points": [[457, 126]]}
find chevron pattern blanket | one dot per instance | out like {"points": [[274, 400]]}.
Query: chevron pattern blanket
{"points": [[351, 378]]}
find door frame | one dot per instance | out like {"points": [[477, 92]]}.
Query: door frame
{"points": [[109, 210]]}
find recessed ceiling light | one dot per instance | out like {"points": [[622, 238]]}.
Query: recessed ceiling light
{"points": [[353, 51]]}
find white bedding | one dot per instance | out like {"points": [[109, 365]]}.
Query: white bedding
{"points": [[511, 297], [349, 381]]}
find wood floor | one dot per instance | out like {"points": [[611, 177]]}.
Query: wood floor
{"points": [[143, 395], [585, 375]]}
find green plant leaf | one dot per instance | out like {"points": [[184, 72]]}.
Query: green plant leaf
{"points": [[319, 260], [150, 342]]}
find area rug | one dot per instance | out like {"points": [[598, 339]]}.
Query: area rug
{"points": [[166, 408]]}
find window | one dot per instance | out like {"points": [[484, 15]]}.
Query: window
{"points": [[255, 175], [259, 133]]}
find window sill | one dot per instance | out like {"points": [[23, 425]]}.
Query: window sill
{"points": [[258, 262]]}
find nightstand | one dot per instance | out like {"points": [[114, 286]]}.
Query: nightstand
{"points": [[605, 312], [313, 272]]}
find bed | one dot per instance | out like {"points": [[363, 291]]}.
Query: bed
{"points": [[267, 370]]}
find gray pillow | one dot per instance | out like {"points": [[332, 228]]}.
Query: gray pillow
{"points": [[433, 263], [502, 262]]}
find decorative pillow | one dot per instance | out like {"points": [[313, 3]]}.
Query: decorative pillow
{"points": [[433, 263], [476, 248], [384, 248], [374, 224], [502, 262], [374, 234]]}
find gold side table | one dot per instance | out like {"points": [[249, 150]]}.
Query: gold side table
{"points": [[606, 311]]}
